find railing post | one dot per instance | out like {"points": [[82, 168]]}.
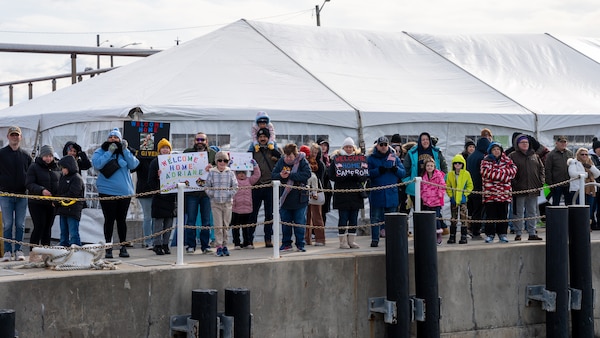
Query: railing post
{"points": [[557, 270], [396, 273], [276, 218], [581, 189], [580, 260], [180, 230], [417, 205]]}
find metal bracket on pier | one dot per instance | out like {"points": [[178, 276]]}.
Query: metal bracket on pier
{"points": [[540, 294], [185, 326], [386, 307], [418, 309]]}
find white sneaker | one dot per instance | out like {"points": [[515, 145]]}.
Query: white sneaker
{"points": [[7, 256], [19, 256]]}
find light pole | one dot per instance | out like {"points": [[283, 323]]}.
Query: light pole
{"points": [[318, 11], [98, 43], [129, 44]]}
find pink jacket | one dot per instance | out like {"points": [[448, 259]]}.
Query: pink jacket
{"points": [[433, 196], [242, 201]]}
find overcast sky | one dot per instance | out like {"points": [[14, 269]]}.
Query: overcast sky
{"points": [[159, 23]]}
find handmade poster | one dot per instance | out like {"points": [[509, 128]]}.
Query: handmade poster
{"points": [[241, 161], [352, 165], [144, 136], [188, 168]]}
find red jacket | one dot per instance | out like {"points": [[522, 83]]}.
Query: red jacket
{"points": [[497, 176]]}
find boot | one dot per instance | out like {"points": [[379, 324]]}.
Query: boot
{"points": [[108, 253], [351, 241], [166, 249], [463, 235], [123, 252], [158, 250], [452, 239], [344, 241]]}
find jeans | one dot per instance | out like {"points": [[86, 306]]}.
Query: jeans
{"points": [[191, 211], [69, 231], [348, 217], [259, 196], [13, 210], [525, 206], [296, 216], [147, 224], [378, 215], [562, 191], [166, 223]]}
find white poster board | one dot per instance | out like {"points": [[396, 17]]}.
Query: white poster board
{"points": [[240, 161], [188, 168]]}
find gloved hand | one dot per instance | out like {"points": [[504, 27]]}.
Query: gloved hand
{"points": [[254, 163], [382, 170], [394, 169], [112, 147], [256, 148], [124, 143], [271, 146]]}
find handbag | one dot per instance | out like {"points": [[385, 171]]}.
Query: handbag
{"points": [[110, 168], [320, 197]]}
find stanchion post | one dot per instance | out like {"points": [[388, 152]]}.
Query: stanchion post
{"points": [[417, 205], [180, 230], [582, 189], [276, 218], [426, 272], [396, 273], [7, 323], [580, 260], [204, 310], [557, 270], [237, 305]]}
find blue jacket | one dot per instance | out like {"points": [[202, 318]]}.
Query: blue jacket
{"points": [[384, 198], [296, 198], [120, 183]]}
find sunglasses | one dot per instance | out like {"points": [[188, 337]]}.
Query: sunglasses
{"points": [[583, 154], [200, 139], [383, 144], [222, 160]]}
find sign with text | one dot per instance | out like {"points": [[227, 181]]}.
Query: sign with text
{"points": [[241, 161], [188, 168], [351, 165], [144, 136]]}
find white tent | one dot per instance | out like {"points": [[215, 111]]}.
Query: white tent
{"points": [[311, 81]]}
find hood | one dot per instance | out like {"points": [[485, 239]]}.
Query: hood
{"points": [[460, 159], [483, 144], [70, 163], [489, 149], [419, 145]]}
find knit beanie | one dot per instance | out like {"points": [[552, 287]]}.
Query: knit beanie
{"points": [[164, 143], [595, 143], [306, 150], [263, 131], [46, 150], [348, 141], [115, 132], [468, 143], [396, 139], [262, 115]]}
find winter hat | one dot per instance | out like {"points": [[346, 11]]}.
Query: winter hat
{"points": [[46, 150], [162, 143], [468, 143], [396, 139], [485, 132], [221, 155], [492, 145], [348, 141], [595, 144], [263, 131], [522, 138], [321, 140], [305, 150], [115, 132], [262, 116]]}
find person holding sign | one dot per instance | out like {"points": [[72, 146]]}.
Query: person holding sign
{"points": [[162, 205], [196, 199], [343, 173]]}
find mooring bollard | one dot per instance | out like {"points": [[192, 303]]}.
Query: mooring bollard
{"points": [[237, 305], [204, 310], [426, 272], [396, 273], [580, 260], [557, 270], [7, 323]]}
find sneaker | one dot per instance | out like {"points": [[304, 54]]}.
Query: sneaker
{"points": [[300, 249], [7, 256], [374, 244], [190, 250], [225, 251], [219, 252], [19, 255], [285, 248], [237, 247], [207, 251], [503, 239], [250, 246], [531, 238], [517, 237], [490, 239], [268, 243]]}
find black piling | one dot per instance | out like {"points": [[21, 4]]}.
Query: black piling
{"points": [[204, 310], [426, 272], [580, 260], [7, 323], [237, 305], [396, 272], [557, 270]]}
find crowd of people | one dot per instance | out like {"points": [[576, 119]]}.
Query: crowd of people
{"points": [[488, 189]]}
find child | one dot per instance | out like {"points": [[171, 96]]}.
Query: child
{"points": [[163, 205], [263, 121], [432, 196], [242, 207], [70, 185], [221, 199], [459, 186]]}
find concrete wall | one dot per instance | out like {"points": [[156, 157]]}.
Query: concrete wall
{"points": [[482, 290]]}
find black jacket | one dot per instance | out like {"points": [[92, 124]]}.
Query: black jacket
{"points": [[70, 185], [163, 205], [13, 170], [42, 176]]}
